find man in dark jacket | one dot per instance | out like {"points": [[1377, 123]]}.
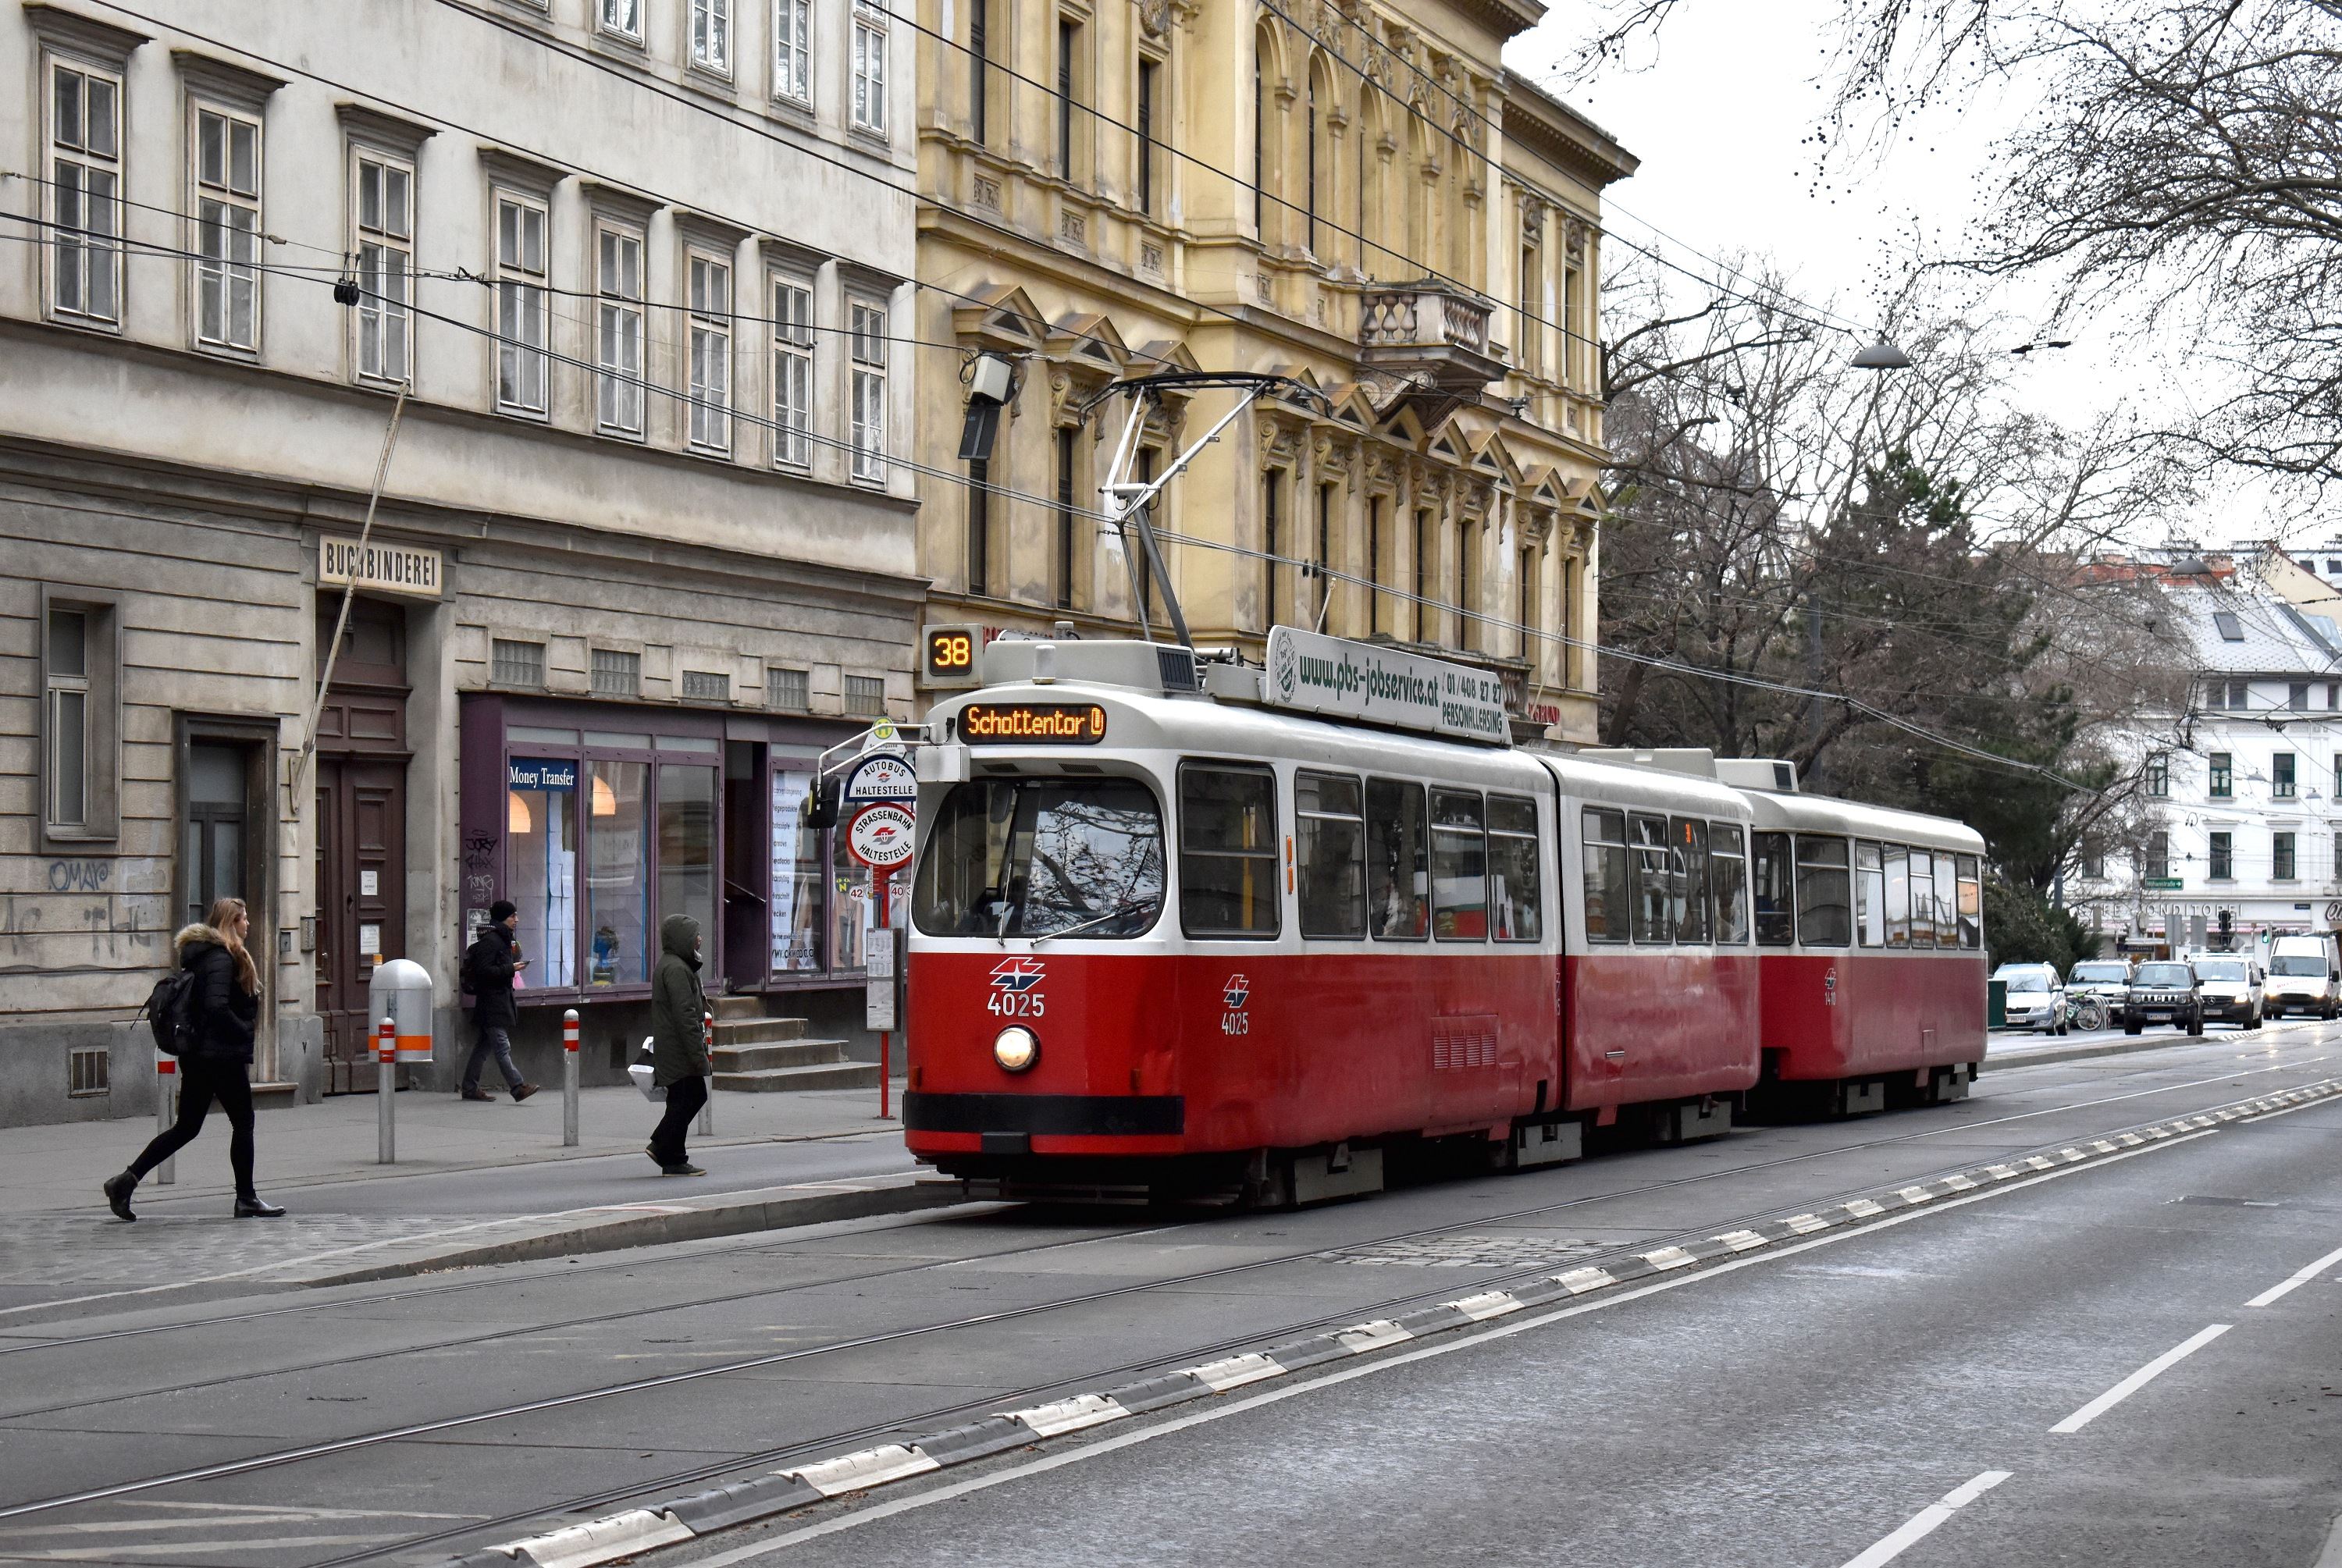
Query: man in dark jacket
{"points": [[678, 1042], [488, 971]]}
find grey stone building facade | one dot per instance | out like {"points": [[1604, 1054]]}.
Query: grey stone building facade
{"points": [[643, 545]]}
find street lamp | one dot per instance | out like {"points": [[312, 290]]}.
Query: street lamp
{"points": [[1882, 355]]}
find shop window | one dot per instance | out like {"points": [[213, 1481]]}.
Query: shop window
{"points": [[541, 865], [1330, 840], [1870, 896], [1769, 880], [788, 689], [687, 845], [517, 664], [1515, 894], [1728, 861], [617, 881], [1396, 895], [1651, 860], [705, 686], [798, 878], [865, 696], [1459, 867], [1227, 845], [1824, 907], [616, 674]]}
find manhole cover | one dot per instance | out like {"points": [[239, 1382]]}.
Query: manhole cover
{"points": [[1470, 1252]]}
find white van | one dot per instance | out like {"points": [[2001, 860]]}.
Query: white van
{"points": [[2304, 976]]}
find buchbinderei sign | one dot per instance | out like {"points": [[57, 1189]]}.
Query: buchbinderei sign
{"points": [[1377, 685]]}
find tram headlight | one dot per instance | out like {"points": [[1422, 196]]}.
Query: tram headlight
{"points": [[1015, 1048]]}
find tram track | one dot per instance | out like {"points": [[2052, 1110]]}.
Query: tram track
{"points": [[311, 1451]]}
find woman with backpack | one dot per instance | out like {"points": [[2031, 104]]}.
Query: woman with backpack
{"points": [[222, 1007]]}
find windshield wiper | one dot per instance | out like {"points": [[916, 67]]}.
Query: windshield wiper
{"points": [[1115, 913]]}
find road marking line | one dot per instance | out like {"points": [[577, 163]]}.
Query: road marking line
{"points": [[2295, 1281], [2141, 1378], [1925, 1521], [1445, 1346]]}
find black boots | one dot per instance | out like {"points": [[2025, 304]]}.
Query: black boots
{"points": [[253, 1206], [118, 1191]]}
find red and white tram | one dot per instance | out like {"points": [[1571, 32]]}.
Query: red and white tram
{"points": [[1169, 937]]}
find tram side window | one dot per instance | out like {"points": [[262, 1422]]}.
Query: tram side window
{"points": [[1459, 867], [1689, 880], [1515, 891], [1870, 896], [1899, 895], [1825, 915], [1228, 851], [1947, 933], [1727, 862], [1769, 876], [1971, 903], [1398, 891], [1652, 859], [1330, 850], [1923, 899], [1608, 892]]}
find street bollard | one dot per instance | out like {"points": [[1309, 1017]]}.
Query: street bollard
{"points": [[706, 1127], [570, 1078], [385, 1090], [166, 1078]]}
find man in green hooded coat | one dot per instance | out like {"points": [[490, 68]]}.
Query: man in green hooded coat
{"points": [[678, 1042]]}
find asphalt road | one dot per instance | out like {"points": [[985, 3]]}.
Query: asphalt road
{"points": [[1792, 1407]]}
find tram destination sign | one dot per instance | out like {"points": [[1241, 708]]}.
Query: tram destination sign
{"points": [[1312, 674], [1032, 723]]}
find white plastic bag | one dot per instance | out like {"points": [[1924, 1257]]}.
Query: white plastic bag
{"points": [[642, 1072]]}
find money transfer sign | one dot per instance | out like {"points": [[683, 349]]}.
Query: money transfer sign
{"points": [[1379, 686]]}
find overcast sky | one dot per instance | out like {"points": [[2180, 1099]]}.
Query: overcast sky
{"points": [[1723, 114]]}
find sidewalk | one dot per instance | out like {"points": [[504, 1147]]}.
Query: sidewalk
{"points": [[474, 1184]]}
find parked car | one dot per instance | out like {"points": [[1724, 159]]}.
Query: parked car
{"points": [[2229, 986], [2037, 997], [2304, 976], [2164, 993], [2108, 980]]}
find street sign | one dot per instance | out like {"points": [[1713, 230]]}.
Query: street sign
{"points": [[882, 836], [2162, 883], [882, 775], [878, 981]]}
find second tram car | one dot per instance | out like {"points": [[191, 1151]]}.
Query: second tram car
{"points": [[1170, 938]]}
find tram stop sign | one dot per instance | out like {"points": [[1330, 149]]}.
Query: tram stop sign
{"points": [[882, 836], [882, 776]]}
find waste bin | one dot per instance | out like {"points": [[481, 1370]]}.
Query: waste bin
{"points": [[1996, 1003]]}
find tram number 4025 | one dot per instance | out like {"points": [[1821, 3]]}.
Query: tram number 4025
{"points": [[1236, 1023], [1017, 1004]]}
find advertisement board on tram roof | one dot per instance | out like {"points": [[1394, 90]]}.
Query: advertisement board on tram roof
{"points": [[1367, 684]]}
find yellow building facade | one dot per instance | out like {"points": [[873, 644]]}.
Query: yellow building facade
{"points": [[1359, 197]]}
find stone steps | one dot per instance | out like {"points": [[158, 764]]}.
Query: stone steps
{"points": [[758, 1030], [754, 1058], [818, 1075]]}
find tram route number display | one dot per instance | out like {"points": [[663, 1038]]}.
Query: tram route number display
{"points": [[1032, 724]]}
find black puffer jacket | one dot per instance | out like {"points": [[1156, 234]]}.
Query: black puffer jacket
{"points": [[490, 967], [224, 1012]]}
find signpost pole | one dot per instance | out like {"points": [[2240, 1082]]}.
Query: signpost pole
{"points": [[570, 1078], [385, 1089], [167, 1079], [886, 934]]}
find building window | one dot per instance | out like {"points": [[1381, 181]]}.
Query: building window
{"points": [[616, 674], [788, 689], [793, 373], [2231, 629], [1272, 579], [869, 69], [2094, 861], [2240, 696], [705, 686], [1573, 324], [623, 17], [1069, 43], [711, 354], [85, 196], [1065, 552], [2333, 694], [2296, 696], [213, 827], [2224, 859], [979, 68], [1467, 587], [517, 664], [522, 366], [792, 35], [618, 331], [2281, 856], [711, 36], [386, 252], [1526, 609], [2158, 857], [869, 431], [1324, 560], [1309, 158], [979, 525], [2223, 775], [1427, 627], [2158, 777], [227, 225], [1150, 73], [1374, 565], [1532, 338], [79, 720], [865, 696], [2281, 776]]}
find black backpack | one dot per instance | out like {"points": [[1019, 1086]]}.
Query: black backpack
{"points": [[170, 1012]]}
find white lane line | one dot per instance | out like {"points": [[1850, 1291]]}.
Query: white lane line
{"points": [[2295, 1281], [2141, 1378], [1239, 1406], [1925, 1523]]}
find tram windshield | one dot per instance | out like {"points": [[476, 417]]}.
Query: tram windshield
{"points": [[1043, 857]]}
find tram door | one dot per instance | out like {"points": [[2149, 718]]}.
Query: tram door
{"points": [[360, 876]]}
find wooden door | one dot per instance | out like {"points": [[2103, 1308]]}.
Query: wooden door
{"points": [[361, 884]]}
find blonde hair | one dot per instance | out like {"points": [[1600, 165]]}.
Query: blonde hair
{"points": [[222, 919]]}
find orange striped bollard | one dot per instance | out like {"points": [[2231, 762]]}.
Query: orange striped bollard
{"points": [[167, 1079], [385, 1090], [570, 1078]]}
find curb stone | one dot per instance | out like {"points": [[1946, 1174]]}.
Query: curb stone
{"points": [[620, 1535], [2049, 1055]]}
